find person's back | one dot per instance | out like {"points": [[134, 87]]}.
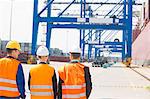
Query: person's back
{"points": [[74, 73], [74, 79], [41, 82], [12, 83], [42, 78], [8, 71]]}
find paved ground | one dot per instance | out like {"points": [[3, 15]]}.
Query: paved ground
{"points": [[115, 82]]}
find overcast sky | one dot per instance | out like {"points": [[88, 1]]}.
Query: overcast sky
{"points": [[22, 25]]}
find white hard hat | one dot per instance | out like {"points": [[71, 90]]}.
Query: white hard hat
{"points": [[75, 50], [42, 51]]}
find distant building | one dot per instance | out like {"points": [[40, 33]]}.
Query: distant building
{"points": [[26, 47]]}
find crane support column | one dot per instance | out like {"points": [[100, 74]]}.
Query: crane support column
{"points": [[129, 41], [49, 28], [35, 27]]}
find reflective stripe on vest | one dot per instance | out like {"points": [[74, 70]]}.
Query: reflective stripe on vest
{"points": [[7, 81], [3, 80], [8, 72], [42, 93], [74, 95], [8, 89], [73, 86], [41, 87]]}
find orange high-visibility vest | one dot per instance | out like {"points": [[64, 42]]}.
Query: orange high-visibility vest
{"points": [[8, 72], [41, 82], [74, 86]]}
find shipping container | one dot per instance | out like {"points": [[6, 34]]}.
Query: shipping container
{"points": [[3, 45], [141, 48], [136, 33]]}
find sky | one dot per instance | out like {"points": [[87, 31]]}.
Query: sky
{"points": [[22, 15]]}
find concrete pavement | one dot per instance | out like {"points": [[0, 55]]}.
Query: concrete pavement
{"points": [[115, 82]]}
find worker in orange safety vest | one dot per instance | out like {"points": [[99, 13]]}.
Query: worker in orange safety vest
{"points": [[42, 77], [12, 82], [74, 78]]}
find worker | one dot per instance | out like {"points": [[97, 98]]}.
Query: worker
{"points": [[74, 78], [12, 82], [42, 77]]}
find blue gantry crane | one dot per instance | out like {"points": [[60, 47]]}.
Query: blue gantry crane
{"points": [[92, 27]]}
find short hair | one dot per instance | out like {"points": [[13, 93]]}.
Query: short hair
{"points": [[41, 56], [75, 55], [9, 51]]}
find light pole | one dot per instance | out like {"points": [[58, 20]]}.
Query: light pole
{"points": [[67, 40], [10, 27], [43, 37]]}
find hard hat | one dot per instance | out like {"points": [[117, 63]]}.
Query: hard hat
{"points": [[75, 50], [42, 51], [13, 45]]}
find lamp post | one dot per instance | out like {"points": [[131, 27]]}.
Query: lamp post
{"points": [[43, 37], [10, 27]]}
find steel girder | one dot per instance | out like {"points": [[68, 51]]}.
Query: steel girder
{"points": [[124, 24]]}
